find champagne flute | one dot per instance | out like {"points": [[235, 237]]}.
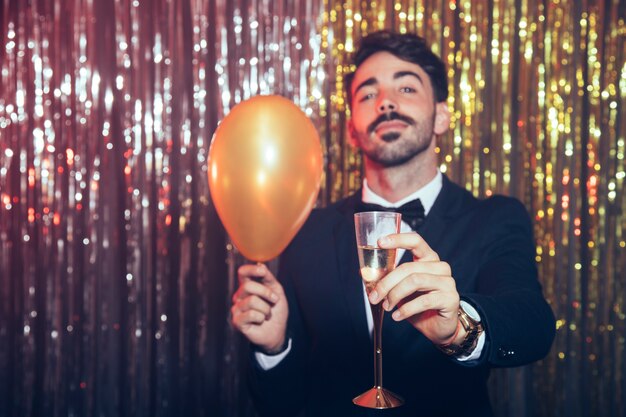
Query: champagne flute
{"points": [[375, 263]]}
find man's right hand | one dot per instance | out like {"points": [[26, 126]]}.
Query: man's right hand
{"points": [[260, 308]]}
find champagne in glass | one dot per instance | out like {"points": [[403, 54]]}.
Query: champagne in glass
{"points": [[375, 263]]}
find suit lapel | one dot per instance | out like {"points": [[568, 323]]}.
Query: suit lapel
{"points": [[348, 267], [448, 204]]}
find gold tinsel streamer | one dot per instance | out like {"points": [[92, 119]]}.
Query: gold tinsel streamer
{"points": [[113, 288], [538, 114]]}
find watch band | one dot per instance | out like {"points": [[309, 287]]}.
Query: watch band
{"points": [[473, 331]]}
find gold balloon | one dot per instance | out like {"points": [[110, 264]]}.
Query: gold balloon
{"points": [[265, 168]]}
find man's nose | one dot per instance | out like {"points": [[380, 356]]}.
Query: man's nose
{"points": [[385, 104]]}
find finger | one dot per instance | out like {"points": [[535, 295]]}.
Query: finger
{"points": [[416, 285], [428, 267], [259, 273], [411, 241], [403, 271], [254, 302], [441, 303], [249, 288], [251, 317], [256, 272]]}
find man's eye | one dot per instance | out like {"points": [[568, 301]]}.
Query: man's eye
{"points": [[408, 90], [368, 96]]}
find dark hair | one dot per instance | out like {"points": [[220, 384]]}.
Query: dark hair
{"points": [[408, 47]]}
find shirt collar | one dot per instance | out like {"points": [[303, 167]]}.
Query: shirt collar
{"points": [[427, 194]]}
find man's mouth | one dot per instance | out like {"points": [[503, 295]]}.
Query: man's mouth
{"points": [[390, 126], [389, 122]]}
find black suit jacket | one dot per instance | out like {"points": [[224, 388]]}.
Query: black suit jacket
{"points": [[489, 246]]}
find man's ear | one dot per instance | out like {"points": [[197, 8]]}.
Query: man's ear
{"points": [[442, 118], [351, 134]]}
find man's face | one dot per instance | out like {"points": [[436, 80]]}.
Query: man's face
{"points": [[394, 114]]}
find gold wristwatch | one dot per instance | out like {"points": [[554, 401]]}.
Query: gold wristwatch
{"points": [[470, 320]]}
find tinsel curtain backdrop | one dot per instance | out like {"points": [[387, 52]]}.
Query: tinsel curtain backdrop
{"points": [[115, 272]]}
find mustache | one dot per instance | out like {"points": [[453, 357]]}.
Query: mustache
{"points": [[386, 117]]}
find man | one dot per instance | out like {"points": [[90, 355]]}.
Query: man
{"points": [[465, 297]]}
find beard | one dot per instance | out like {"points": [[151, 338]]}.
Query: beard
{"points": [[397, 148]]}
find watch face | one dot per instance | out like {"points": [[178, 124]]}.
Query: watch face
{"points": [[470, 310]]}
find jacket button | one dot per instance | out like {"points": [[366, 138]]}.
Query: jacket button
{"points": [[505, 353]]}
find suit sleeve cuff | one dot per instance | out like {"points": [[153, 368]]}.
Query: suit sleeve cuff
{"points": [[267, 362]]}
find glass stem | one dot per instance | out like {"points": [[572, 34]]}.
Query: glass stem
{"points": [[377, 316]]}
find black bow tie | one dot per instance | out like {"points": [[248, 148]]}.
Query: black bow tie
{"points": [[412, 212]]}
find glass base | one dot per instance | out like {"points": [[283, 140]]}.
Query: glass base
{"points": [[378, 397]]}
